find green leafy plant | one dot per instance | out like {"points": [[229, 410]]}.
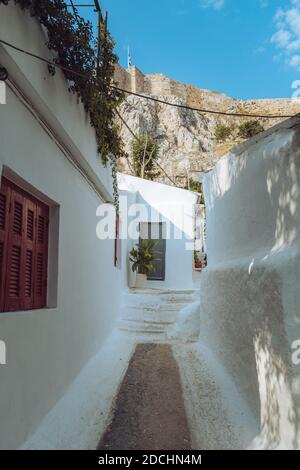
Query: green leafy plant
{"points": [[144, 154], [222, 133], [194, 185], [142, 257], [71, 38], [250, 128]]}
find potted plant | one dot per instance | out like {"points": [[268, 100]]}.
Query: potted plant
{"points": [[141, 258], [197, 261]]}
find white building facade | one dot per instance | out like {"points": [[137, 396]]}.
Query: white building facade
{"points": [[165, 214], [49, 152], [61, 287]]}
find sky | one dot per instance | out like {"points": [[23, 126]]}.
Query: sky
{"points": [[243, 48]]}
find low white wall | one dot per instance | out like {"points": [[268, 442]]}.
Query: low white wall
{"points": [[46, 349], [175, 207], [250, 296]]}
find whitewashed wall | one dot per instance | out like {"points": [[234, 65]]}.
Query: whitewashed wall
{"points": [[176, 207], [47, 348], [250, 297]]}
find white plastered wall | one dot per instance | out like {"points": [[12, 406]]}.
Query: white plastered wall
{"points": [[46, 349], [250, 298]]}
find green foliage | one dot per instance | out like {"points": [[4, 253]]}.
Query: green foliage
{"points": [[223, 133], [249, 129], [195, 185], [71, 38], [144, 154], [142, 257]]}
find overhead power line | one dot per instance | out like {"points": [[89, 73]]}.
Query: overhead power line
{"points": [[206, 111], [150, 98]]}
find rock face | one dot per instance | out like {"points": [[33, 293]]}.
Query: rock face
{"points": [[186, 138]]}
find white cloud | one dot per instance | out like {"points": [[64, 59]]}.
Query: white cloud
{"points": [[281, 38], [294, 61], [287, 35], [215, 4]]}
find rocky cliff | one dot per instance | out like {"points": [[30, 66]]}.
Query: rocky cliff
{"points": [[186, 138]]}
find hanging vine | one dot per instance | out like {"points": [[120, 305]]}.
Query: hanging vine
{"points": [[71, 38]]}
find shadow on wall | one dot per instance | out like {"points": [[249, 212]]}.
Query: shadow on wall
{"points": [[263, 187], [242, 321], [250, 296], [279, 420]]}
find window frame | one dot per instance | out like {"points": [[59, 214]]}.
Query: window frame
{"points": [[24, 284]]}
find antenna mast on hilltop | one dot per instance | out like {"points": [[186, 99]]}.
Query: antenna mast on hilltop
{"points": [[129, 64]]}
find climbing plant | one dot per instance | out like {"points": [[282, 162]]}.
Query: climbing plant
{"points": [[72, 39]]}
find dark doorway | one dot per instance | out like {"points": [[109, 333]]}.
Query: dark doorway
{"points": [[156, 231]]}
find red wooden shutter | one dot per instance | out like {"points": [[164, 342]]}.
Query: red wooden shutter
{"points": [[41, 256], [4, 229], [23, 249], [29, 254], [14, 273]]}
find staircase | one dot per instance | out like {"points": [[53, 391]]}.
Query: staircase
{"points": [[148, 314]]}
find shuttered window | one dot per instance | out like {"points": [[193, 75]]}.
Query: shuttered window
{"points": [[24, 223]]}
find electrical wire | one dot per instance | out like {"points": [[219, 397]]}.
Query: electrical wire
{"points": [[76, 73], [151, 98]]}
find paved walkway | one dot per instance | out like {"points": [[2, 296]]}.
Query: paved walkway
{"points": [[149, 412], [170, 397], [157, 390]]}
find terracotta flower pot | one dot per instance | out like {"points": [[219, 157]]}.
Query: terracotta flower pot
{"points": [[141, 280], [198, 264]]}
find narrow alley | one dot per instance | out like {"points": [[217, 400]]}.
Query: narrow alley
{"points": [[166, 390], [173, 395], [149, 228]]}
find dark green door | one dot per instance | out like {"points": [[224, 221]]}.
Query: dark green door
{"points": [[155, 231]]}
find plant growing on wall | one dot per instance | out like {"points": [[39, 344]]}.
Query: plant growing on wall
{"points": [[142, 257], [72, 40], [144, 154]]}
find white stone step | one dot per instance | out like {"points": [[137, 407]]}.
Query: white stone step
{"points": [[151, 313], [148, 321], [142, 330]]}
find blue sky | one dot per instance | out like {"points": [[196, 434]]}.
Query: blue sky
{"points": [[243, 48]]}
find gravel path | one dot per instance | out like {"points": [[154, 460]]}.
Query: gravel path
{"points": [[149, 410]]}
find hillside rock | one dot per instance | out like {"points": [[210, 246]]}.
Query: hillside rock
{"points": [[185, 137]]}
